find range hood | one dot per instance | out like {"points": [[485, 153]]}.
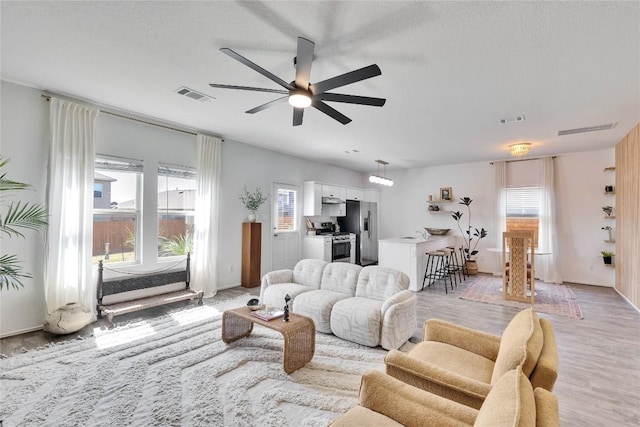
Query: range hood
{"points": [[331, 201]]}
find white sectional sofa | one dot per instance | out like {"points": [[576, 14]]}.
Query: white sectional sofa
{"points": [[371, 306]]}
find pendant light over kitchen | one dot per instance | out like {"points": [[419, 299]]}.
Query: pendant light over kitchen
{"points": [[381, 179]]}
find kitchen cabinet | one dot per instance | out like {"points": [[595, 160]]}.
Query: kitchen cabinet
{"points": [[354, 194], [334, 191], [317, 247], [312, 199]]}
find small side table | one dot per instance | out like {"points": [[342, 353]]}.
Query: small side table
{"points": [[299, 334]]}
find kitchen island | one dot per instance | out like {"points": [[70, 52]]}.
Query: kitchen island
{"points": [[409, 255]]}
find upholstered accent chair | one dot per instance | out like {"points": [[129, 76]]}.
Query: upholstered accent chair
{"points": [[382, 312], [338, 282], [463, 364], [386, 401], [305, 277]]}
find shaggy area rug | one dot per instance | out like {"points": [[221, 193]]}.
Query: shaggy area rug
{"points": [[175, 370], [557, 300]]}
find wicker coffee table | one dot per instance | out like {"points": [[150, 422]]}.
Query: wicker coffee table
{"points": [[299, 334]]}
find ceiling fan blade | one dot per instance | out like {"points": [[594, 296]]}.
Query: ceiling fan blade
{"points": [[256, 67], [256, 89], [304, 57], [267, 105], [297, 116], [351, 99], [331, 112], [346, 79]]}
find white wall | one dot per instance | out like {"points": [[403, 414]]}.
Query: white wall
{"points": [[25, 133], [24, 138], [580, 184]]}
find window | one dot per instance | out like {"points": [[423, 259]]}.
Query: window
{"points": [[116, 209], [523, 208], [286, 209], [176, 209]]}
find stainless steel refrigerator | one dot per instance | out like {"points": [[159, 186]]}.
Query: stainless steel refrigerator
{"points": [[362, 219]]}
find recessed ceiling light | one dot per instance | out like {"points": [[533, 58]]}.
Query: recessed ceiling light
{"points": [[586, 129]]}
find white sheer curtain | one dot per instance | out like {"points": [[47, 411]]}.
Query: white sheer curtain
{"points": [[547, 265], [205, 245], [500, 215], [68, 273]]}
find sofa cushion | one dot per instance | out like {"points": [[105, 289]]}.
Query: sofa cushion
{"points": [[274, 295], [318, 305], [454, 359], [308, 272], [547, 411], [520, 345], [340, 277], [509, 403], [357, 319], [380, 283]]}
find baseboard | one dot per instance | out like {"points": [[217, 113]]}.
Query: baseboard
{"points": [[22, 331], [627, 300]]}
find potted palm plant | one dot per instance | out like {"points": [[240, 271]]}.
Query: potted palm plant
{"points": [[17, 216], [252, 201], [469, 235]]}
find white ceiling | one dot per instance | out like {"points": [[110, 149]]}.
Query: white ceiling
{"points": [[450, 71]]}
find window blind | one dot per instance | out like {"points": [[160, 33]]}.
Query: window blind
{"points": [[523, 202], [176, 171], [104, 162]]}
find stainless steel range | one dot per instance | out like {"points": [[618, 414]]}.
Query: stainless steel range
{"points": [[342, 243]]}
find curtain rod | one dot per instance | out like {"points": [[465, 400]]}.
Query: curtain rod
{"points": [[523, 160], [122, 116]]}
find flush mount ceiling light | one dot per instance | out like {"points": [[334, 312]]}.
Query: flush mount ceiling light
{"points": [[520, 149], [381, 179]]}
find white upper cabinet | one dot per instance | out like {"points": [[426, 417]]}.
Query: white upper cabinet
{"points": [[334, 191], [355, 194], [312, 205]]}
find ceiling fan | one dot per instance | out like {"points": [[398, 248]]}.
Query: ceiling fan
{"points": [[301, 93]]}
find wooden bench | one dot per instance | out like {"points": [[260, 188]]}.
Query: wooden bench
{"points": [[144, 281]]}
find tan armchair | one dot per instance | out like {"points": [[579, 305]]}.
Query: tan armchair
{"points": [[463, 364], [386, 401]]}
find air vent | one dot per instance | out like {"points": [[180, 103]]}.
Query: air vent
{"points": [[194, 94], [512, 119], [586, 129]]}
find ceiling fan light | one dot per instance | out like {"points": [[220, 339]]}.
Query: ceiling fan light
{"points": [[299, 99], [520, 149]]}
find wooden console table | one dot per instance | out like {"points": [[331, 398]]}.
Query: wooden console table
{"points": [[299, 334]]}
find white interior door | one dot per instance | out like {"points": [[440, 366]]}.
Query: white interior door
{"points": [[286, 225]]}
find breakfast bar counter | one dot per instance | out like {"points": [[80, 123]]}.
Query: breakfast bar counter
{"points": [[408, 254]]}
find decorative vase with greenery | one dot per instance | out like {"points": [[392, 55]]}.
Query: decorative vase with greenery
{"points": [[608, 210], [469, 235], [606, 256], [609, 229], [252, 201], [18, 215]]}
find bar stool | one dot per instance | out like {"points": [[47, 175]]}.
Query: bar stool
{"points": [[465, 271], [437, 268], [455, 266]]}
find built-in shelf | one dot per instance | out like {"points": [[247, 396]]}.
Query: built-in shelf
{"points": [[609, 217], [610, 168], [609, 241], [609, 192], [435, 202], [440, 211], [610, 265]]}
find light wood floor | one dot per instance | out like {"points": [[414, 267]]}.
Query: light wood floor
{"points": [[599, 379]]}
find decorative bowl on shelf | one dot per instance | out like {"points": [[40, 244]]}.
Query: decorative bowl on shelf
{"points": [[254, 304], [437, 231]]}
